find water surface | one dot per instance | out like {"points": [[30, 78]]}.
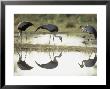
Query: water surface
{"points": [[67, 64], [45, 38]]}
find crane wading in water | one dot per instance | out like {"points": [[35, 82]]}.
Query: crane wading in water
{"points": [[89, 29], [22, 26], [51, 28]]}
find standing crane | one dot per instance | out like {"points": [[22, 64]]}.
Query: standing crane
{"points": [[89, 29], [51, 28], [22, 26]]}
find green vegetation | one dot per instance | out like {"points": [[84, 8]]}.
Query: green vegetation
{"points": [[65, 22]]}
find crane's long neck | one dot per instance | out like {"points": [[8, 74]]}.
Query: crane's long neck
{"points": [[38, 28], [57, 56], [81, 65]]}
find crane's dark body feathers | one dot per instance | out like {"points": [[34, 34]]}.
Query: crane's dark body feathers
{"points": [[24, 25], [89, 62], [50, 65], [49, 27], [91, 30], [23, 66]]}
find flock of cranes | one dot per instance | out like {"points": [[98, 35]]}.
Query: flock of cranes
{"points": [[22, 26], [51, 28]]}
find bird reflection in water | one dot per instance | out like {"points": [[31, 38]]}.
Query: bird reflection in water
{"points": [[22, 64], [50, 65], [88, 63]]}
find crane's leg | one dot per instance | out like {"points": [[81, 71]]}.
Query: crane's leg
{"points": [[21, 36], [18, 54], [58, 36], [49, 38], [49, 55], [21, 43], [54, 35], [18, 40], [90, 37], [85, 45], [90, 54], [20, 57], [53, 54], [26, 54], [53, 39], [26, 36]]}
